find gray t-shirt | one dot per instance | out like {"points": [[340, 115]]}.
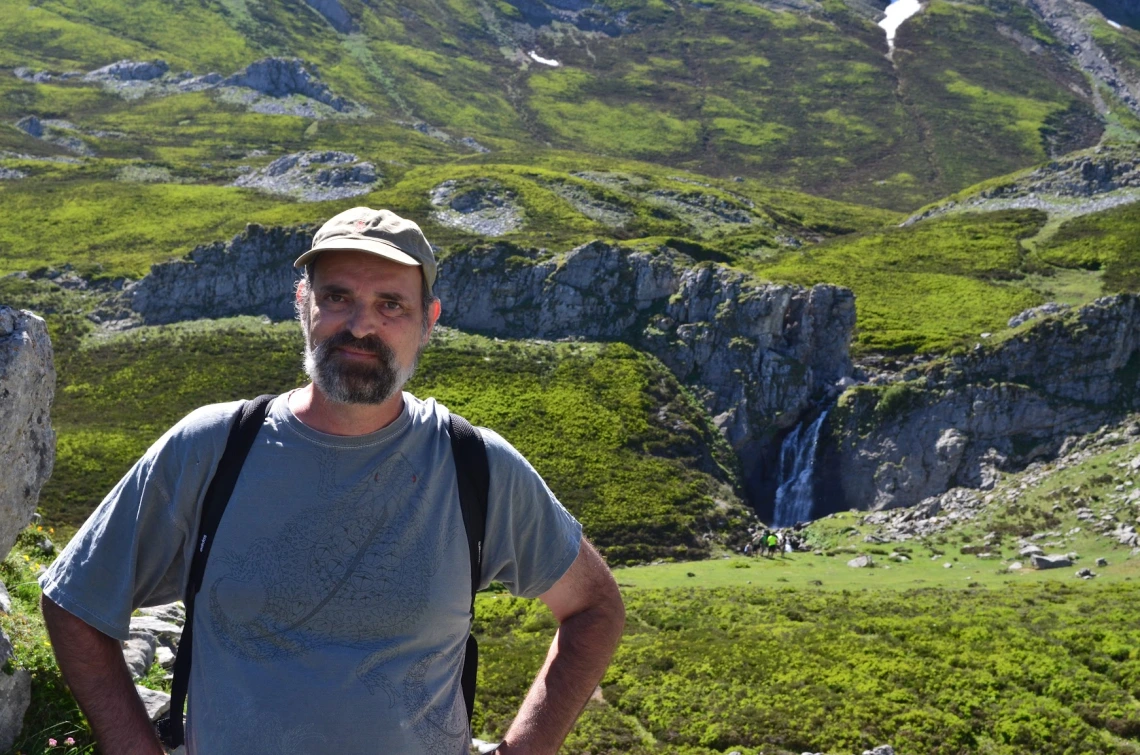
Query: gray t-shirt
{"points": [[334, 609]]}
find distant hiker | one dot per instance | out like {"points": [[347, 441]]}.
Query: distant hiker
{"points": [[773, 544], [334, 614]]}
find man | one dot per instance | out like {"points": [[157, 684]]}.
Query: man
{"points": [[335, 604]]}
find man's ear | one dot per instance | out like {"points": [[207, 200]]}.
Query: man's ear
{"points": [[302, 289], [433, 317]]}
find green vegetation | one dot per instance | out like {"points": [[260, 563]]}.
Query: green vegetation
{"points": [[1042, 669], [926, 287], [1107, 241], [726, 88], [803, 653], [610, 429]]}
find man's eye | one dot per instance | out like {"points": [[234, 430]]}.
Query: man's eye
{"points": [[335, 298], [391, 306]]}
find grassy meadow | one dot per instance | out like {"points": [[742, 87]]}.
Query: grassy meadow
{"points": [[781, 143], [803, 653]]}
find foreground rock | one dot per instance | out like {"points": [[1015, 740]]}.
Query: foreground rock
{"points": [[27, 441], [27, 453], [155, 702], [15, 697], [961, 421]]}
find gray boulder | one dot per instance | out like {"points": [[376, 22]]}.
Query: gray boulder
{"points": [[173, 613], [861, 562], [15, 697], [1050, 562], [27, 441], [334, 13], [1033, 313], [156, 702], [139, 652], [165, 632], [32, 126]]}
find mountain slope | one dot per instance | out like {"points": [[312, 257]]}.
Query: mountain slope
{"points": [[801, 94]]}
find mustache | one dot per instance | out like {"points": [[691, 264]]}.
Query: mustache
{"points": [[344, 339]]}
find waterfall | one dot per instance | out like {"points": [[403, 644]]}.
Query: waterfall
{"points": [[794, 495], [897, 12]]}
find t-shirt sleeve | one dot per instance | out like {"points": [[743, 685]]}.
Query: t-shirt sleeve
{"points": [[135, 549], [531, 539]]}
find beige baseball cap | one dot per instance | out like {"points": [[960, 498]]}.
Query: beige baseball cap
{"points": [[379, 232]]}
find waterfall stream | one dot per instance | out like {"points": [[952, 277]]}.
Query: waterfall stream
{"points": [[897, 12], [795, 493]]}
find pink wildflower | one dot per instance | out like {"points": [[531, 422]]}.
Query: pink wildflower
{"points": [[69, 741], [52, 743]]}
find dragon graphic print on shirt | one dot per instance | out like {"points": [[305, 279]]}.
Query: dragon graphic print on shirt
{"points": [[354, 570]]}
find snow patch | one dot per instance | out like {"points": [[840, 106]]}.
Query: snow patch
{"points": [[1111, 23], [897, 12], [545, 61]]}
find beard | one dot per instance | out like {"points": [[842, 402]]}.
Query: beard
{"points": [[356, 382]]}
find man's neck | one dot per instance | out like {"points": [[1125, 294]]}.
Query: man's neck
{"points": [[315, 410]]}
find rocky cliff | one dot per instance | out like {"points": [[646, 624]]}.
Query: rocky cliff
{"points": [[250, 274], [27, 448], [1073, 22], [963, 419], [757, 355]]}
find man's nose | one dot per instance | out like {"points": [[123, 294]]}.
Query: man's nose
{"points": [[363, 321]]}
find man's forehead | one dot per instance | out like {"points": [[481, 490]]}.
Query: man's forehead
{"points": [[349, 270], [350, 264]]}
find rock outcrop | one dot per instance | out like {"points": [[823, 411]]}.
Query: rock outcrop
{"points": [[962, 419], [313, 176], [333, 12], [1097, 179], [130, 70], [27, 441], [250, 274], [756, 354], [1071, 22], [281, 77], [480, 206], [27, 448]]}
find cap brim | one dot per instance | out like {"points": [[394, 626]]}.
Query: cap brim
{"points": [[371, 246]]}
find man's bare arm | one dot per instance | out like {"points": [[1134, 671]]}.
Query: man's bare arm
{"points": [[93, 667], [591, 616]]}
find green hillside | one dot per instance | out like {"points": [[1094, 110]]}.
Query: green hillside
{"points": [[610, 429], [802, 653], [803, 100]]}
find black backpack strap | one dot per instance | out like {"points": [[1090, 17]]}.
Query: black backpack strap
{"points": [[243, 432], [474, 477]]}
